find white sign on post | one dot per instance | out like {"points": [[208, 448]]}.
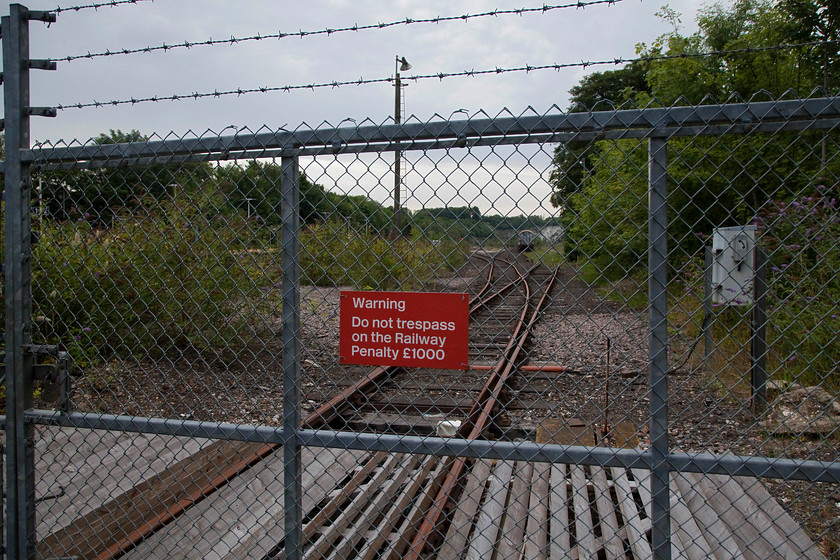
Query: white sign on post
{"points": [[733, 265]]}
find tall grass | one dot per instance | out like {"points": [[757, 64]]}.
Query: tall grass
{"points": [[334, 255], [551, 256], [184, 280], [148, 286]]}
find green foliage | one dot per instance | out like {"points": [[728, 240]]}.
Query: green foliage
{"points": [[166, 261], [711, 184], [171, 282], [357, 212], [605, 221], [184, 279], [596, 92], [745, 26], [713, 181], [815, 20], [801, 236], [340, 256], [727, 181], [549, 256], [98, 195], [606, 90], [450, 223], [465, 223], [254, 191]]}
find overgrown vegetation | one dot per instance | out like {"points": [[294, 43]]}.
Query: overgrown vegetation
{"points": [[550, 255], [468, 224], [338, 256], [714, 181], [171, 280], [801, 237], [785, 182], [173, 262], [177, 282], [184, 260]]}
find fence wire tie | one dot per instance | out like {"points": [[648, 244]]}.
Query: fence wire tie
{"points": [[54, 496]]}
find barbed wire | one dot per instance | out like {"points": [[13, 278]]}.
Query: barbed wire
{"points": [[440, 75], [95, 6], [580, 4]]}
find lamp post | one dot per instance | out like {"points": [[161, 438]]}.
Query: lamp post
{"points": [[401, 65]]}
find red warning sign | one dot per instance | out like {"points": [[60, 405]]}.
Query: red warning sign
{"points": [[410, 329]]}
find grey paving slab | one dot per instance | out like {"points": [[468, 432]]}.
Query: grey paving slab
{"points": [[86, 468], [244, 519]]}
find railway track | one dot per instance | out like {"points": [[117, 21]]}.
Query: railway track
{"points": [[505, 304], [412, 400], [502, 312]]}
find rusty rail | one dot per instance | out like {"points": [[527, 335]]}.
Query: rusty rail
{"points": [[483, 411], [319, 417]]}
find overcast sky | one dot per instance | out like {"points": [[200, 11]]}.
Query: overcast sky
{"points": [[598, 32]]}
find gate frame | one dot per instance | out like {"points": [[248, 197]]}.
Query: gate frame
{"points": [[19, 483], [656, 125]]}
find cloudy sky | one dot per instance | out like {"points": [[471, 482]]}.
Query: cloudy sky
{"points": [[561, 36]]}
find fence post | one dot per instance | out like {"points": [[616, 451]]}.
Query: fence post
{"points": [[292, 469], [708, 309], [758, 346], [20, 457], [658, 316]]}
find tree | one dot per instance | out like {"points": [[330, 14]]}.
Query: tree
{"points": [[596, 91], [255, 189], [99, 195], [732, 54], [604, 221], [816, 21], [714, 181]]}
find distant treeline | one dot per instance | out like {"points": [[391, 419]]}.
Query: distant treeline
{"points": [[252, 191], [468, 222]]}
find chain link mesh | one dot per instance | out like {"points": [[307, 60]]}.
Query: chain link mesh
{"points": [[163, 280]]}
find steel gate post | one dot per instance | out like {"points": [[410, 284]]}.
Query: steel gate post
{"points": [[292, 469], [20, 456], [758, 337], [708, 309], [658, 317]]}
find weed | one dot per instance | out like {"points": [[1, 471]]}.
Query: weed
{"points": [[181, 280], [551, 256]]}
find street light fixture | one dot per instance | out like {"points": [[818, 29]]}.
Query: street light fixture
{"points": [[401, 65]]}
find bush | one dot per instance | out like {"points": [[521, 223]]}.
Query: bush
{"points": [[801, 237], [164, 283], [183, 280], [333, 255]]}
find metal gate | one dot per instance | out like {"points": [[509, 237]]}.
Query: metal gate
{"points": [[172, 328]]}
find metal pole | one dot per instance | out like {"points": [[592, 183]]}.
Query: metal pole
{"points": [[758, 346], [707, 310], [658, 315], [20, 457], [292, 469], [397, 153]]}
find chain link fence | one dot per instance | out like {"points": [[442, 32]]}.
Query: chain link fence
{"points": [[179, 389]]}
